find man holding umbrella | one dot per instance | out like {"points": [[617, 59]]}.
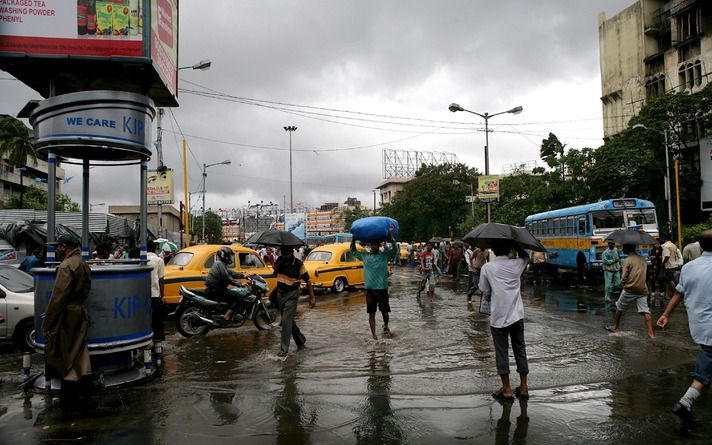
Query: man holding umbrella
{"points": [[501, 281], [290, 273]]}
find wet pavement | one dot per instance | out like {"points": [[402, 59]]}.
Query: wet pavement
{"points": [[429, 383]]}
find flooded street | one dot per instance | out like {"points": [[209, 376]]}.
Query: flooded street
{"points": [[430, 383]]}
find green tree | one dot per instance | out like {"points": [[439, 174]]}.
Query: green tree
{"points": [[38, 199], [213, 228], [433, 203], [16, 145], [351, 215]]}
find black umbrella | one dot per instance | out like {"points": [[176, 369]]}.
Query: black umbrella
{"points": [[483, 235], [274, 237], [435, 239], [623, 236], [253, 239]]}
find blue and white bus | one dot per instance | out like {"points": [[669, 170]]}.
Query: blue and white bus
{"points": [[573, 236]]}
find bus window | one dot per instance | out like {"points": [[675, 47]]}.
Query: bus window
{"points": [[581, 225], [608, 219], [640, 216], [570, 226], [556, 226]]}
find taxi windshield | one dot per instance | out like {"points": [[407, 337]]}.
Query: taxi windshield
{"points": [[181, 259], [319, 256]]}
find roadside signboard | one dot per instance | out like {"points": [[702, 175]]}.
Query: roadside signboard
{"points": [[160, 187], [488, 188]]}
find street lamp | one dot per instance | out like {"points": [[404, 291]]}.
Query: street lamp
{"points": [[486, 116], [668, 193], [202, 65], [205, 176], [290, 129]]}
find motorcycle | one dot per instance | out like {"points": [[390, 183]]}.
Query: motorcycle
{"points": [[198, 312]]}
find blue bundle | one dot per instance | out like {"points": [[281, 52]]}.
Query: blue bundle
{"points": [[373, 228]]}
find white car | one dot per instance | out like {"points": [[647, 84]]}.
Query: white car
{"points": [[17, 307]]}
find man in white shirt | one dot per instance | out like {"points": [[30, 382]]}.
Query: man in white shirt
{"points": [[157, 274], [671, 261], [501, 281]]}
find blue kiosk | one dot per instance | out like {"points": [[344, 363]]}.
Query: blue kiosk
{"points": [[101, 128]]}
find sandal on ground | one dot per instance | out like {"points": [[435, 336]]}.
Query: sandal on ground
{"points": [[610, 329], [519, 395], [499, 395]]}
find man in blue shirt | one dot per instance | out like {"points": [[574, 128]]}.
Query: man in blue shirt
{"points": [[31, 261], [694, 288], [375, 277]]}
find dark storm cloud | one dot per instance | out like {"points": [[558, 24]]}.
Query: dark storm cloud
{"points": [[386, 57]]}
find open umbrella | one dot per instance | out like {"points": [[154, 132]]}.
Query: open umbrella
{"points": [[253, 238], [636, 237], [483, 235], [166, 245], [274, 237], [436, 239]]}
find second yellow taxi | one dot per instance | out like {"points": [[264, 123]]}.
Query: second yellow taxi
{"points": [[334, 267]]}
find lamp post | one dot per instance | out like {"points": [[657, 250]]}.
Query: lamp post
{"points": [[202, 65], [205, 176], [668, 189], [486, 116], [290, 129]]}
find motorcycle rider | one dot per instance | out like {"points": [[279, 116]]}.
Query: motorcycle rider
{"points": [[220, 277]]}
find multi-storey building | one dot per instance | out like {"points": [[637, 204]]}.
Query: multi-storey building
{"points": [[12, 179], [649, 48]]}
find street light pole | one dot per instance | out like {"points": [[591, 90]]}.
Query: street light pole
{"points": [[290, 129], [668, 189], [205, 177], [486, 116]]}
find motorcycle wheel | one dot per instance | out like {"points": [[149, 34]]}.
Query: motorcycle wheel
{"points": [[262, 322], [187, 325]]}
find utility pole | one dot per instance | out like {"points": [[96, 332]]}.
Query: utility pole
{"points": [[290, 129], [159, 164]]}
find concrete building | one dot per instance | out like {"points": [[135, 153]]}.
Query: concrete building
{"points": [[322, 223], [649, 48], [171, 217], [389, 187], [34, 175]]}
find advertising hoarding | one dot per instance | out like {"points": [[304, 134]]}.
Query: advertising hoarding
{"points": [[164, 41], [296, 223], [72, 27], [120, 45], [488, 188], [160, 187]]}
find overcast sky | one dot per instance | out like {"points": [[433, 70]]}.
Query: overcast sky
{"points": [[364, 60]]}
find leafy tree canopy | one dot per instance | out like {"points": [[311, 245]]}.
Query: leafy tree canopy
{"points": [[213, 228], [38, 199]]}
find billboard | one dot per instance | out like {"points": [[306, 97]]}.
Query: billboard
{"points": [[120, 45], [706, 173], [72, 27], [488, 188], [164, 41], [160, 187], [296, 223]]}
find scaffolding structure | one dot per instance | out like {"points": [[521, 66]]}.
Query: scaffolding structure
{"points": [[404, 163]]}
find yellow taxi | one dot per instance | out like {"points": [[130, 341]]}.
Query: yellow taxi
{"points": [[191, 265], [403, 253], [334, 267]]}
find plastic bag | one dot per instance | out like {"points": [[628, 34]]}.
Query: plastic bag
{"points": [[373, 228], [485, 305]]}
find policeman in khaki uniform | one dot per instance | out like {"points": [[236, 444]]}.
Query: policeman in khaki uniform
{"points": [[65, 325]]}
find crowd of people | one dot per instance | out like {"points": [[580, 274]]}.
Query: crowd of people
{"points": [[494, 273]]}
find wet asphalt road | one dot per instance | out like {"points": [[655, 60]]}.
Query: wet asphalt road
{"points": [[430, 383]]}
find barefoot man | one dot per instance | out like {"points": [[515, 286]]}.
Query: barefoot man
{"points": [[375, 278], [635, 290]]}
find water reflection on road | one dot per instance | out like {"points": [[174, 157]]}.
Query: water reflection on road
{"points": [[429, 383]]}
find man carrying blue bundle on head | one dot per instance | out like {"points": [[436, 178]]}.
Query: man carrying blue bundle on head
{"points": [[375, 277]]}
